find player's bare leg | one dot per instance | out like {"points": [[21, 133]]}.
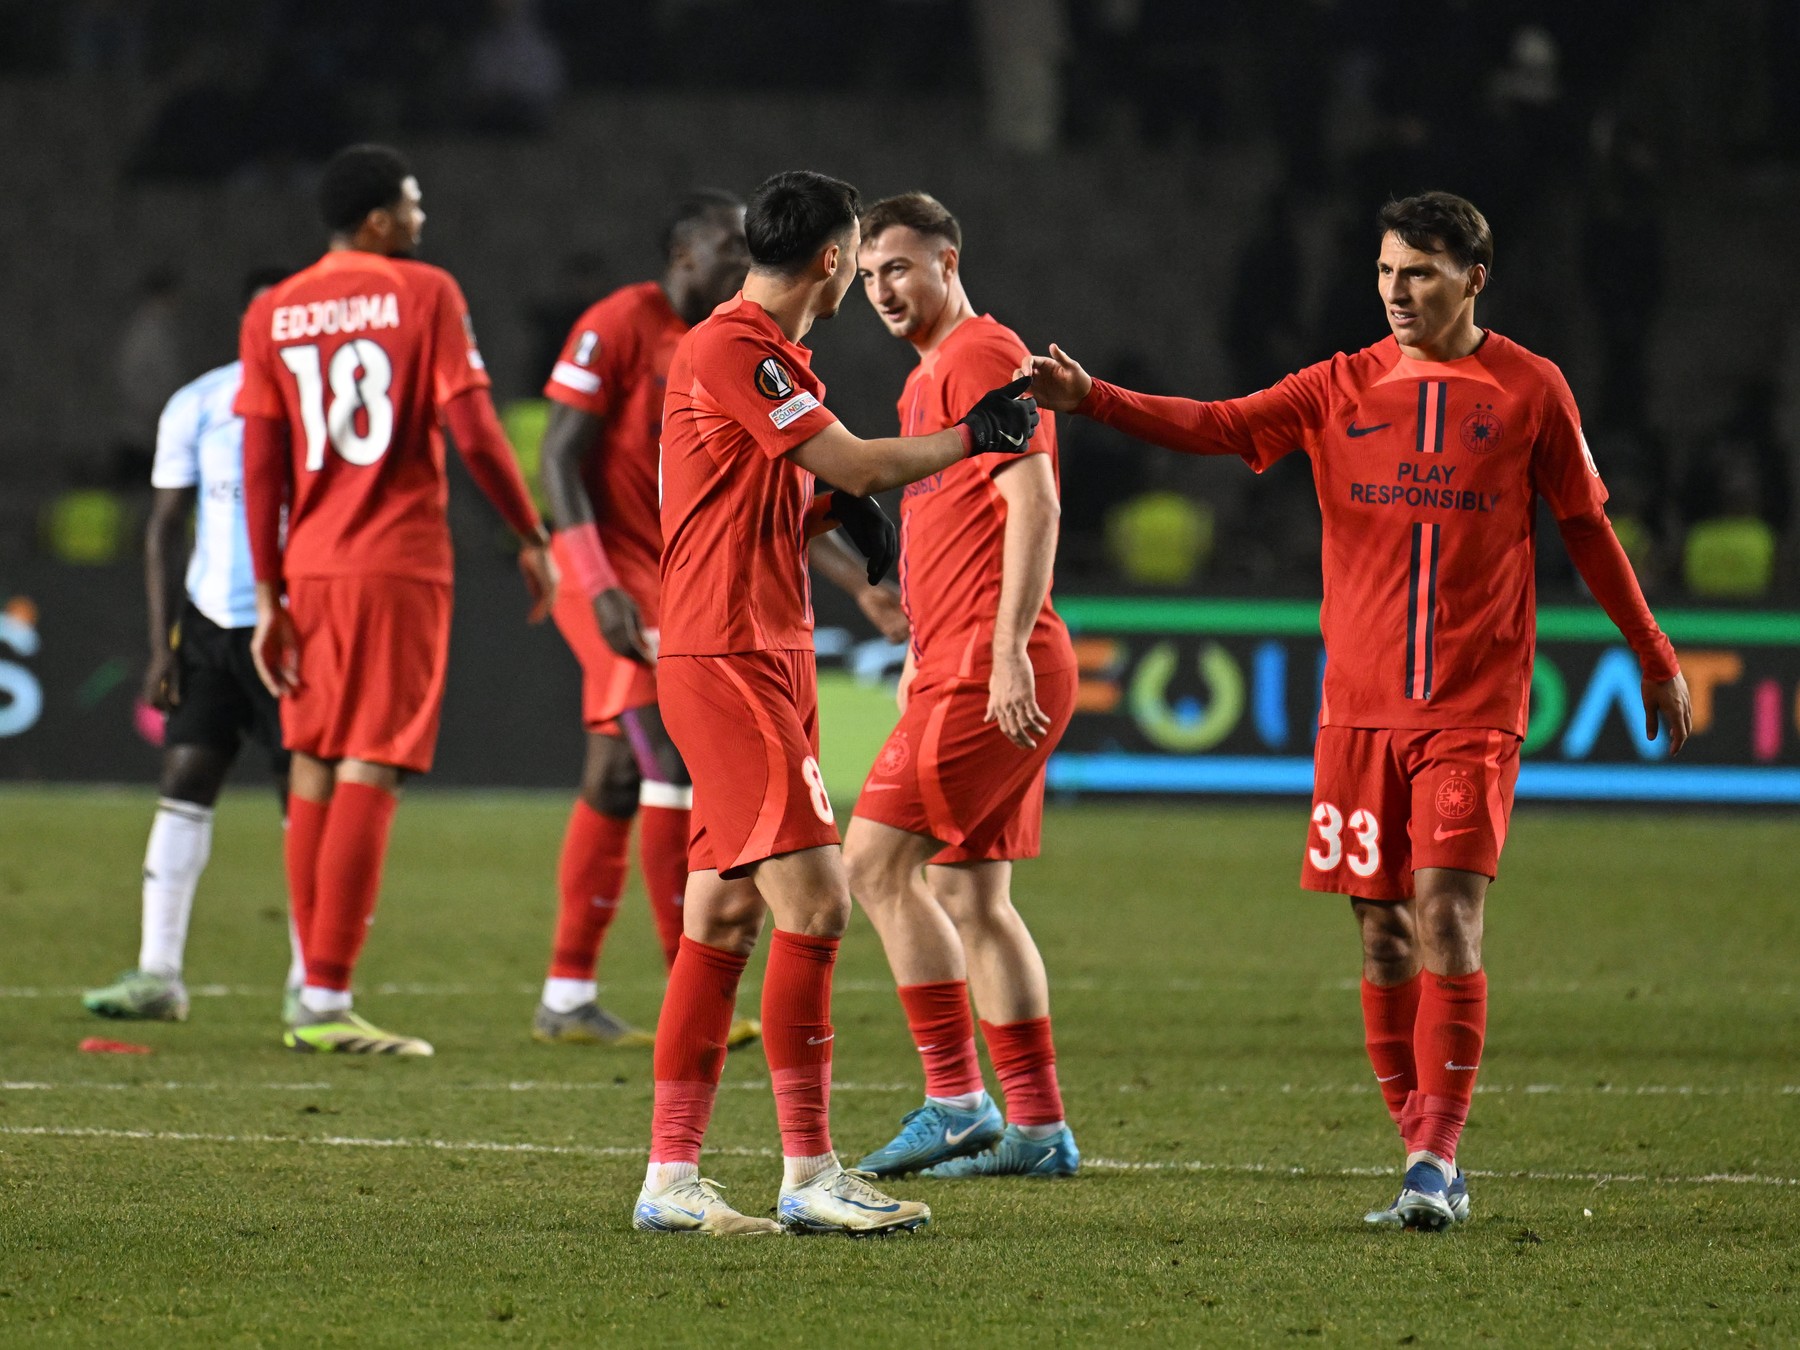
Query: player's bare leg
{"points": [[590, 879], [886, 869], [1006, 972], [344, 811], [1422, 969]]}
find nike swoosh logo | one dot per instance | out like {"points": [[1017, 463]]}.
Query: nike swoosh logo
{"points": [[1011, 440], [1049, 1154], [1440, 833], [819, 1040], [694, 1214], [1460, 1068], [873, 1209], [1390, 1078], [955, 1137], [1356, 431]]}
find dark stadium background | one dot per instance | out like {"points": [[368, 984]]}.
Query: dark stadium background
{"points": [[1178, 191]]}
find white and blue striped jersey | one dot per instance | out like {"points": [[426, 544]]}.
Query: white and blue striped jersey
{"points": [[200, 444]]}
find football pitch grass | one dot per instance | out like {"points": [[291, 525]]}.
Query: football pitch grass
{"points": [[1635, 1148]]}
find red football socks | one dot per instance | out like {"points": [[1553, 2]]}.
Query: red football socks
{"points": [[590, 875], [1389, 1015], [663, 851], [348, 880], [796, 1014], [943, 1032], [1447, 1039], [690, 1048], [1025, 1062], [305, 831]]}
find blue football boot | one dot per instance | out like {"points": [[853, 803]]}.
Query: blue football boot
{"points": [[1013, 1155], [934, 1134], [1427, 1200], [1424, 1201]]}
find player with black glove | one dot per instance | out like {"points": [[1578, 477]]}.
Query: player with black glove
{"points": [[1002, 423], [868, 527]]}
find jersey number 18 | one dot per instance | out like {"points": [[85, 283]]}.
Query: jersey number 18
{"points": [[359, 375]]}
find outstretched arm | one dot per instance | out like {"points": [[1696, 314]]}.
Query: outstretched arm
{"points": [[1260, 428], [1600, 559], [1002, 423]]}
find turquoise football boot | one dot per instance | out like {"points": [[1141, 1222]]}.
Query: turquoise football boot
{"points": [[1013, 1155], [933, 1134]]}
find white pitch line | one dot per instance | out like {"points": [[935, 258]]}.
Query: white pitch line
{"points": [[1093, 1164], [1072, 984], [761, 1085]]}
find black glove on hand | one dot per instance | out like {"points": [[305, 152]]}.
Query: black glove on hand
{"points": [[1002, 423], [869, 529]]}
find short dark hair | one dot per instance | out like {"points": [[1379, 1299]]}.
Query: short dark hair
{"points": [[795, 214], [919, 211], [357, 180], [696, 208], [260, 279], [1440, 222]]}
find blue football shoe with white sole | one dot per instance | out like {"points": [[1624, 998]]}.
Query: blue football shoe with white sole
{"points": [[1014, 1155], [1427, 1200], [933, 1134]]}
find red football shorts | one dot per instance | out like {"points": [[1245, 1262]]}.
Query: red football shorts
{"points": [[1386, 803], [946, 773], [373, 653], [610, 683], [747, 726]]}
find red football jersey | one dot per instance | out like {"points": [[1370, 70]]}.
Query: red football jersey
{"points": [[1428, 477], [734, 575], [615, 366], [953, 524], [357, 354]]}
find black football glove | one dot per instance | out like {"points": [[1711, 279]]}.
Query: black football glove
{"points": [[869, 529], [1002, 423]]}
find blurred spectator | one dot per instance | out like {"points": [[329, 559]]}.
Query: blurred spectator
{"points": [[1743, 468], [516, 71], [148, 366], [1730, 553], [1622, 259]]}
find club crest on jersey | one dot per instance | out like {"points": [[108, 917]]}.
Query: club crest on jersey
{"points": [[1481, 430], [1455, 797], [893, 758], [773, 380]]}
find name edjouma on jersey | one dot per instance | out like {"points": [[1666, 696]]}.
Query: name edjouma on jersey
{"points": [[349, 314]]}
